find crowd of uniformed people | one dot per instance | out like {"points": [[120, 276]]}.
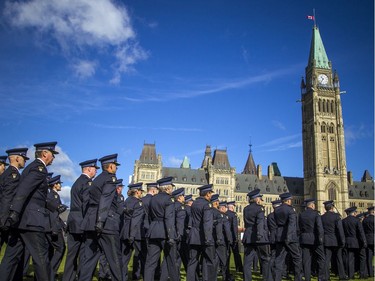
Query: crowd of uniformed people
{"points": [[165, 230]]}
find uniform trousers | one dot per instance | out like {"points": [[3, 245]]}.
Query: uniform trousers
{"points": [[110, 245], [237, 257], [126, 253], [272, 260], [281, 251], [10, 268], [369, 260], [363, 273], [208, 262], [154, 248], [38, 246], [75, 251], [139, 260], [56, 250], [222, 253], [184, 253], [350, 257], [104, 272], [263, 252], [337, 252], [308, 251]]}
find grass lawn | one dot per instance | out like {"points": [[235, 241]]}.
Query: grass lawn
{"points": [[238, 276]]}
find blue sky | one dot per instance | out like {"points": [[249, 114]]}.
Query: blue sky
{"points": [[103, 77]]}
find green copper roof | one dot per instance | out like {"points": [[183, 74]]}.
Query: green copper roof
{"points": [[317, 51], [185, 163]]}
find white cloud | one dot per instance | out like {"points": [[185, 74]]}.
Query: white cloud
{"points": [[278, 125], [84, 68], [283, 143], [65, 194], [357, 132], [78, 25], [174, 161]]}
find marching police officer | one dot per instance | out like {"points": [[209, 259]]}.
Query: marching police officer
{"points": [[101, 223], [286, 237], [368, 228], [179, 198], [233, 219], [311, 239], [188, 199], [130, 235], [29, 215], [56, 236], [227, 241], [255, 238], [78, 205], [8, 185], [162, 233], [200, 237], [139, 261], [272, 228], [334, 239], [218, 234], [354, 237]]}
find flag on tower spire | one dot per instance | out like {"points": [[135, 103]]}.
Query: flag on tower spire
{"points": [[312, 17]]}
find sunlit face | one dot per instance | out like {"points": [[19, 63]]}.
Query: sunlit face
{"points": [[48, 157], [57, 186], [21, 162]]}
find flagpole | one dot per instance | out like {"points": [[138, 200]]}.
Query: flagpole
{"points": [[314, 17]]}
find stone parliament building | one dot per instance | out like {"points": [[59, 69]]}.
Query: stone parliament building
{"points": [[324, 159]]}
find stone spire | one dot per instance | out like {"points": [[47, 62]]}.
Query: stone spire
{"points": [[250, 167]]}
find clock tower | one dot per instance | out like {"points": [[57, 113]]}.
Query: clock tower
{"points": [[324, 160]]}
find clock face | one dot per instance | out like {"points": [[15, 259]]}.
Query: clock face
{"points": [[323, 79]]}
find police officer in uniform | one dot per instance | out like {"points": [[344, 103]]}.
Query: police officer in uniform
{"points": [[78, 204], [162, 233], [311, 239], [130, 235], [334, 239], [368, 228], [56, 236], [8, 186], [272, 228], [138, 264], [223, 208], [188, 199], [233, 218], [200, 237], [286, 237], [101, 223], [29, 215], [179, 198], [354, 238], [218, 234], [255, 238]]}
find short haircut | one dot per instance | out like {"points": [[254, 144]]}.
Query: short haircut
{"points": [[38, 153], [328, 207], [164, 187], [204, 193]]}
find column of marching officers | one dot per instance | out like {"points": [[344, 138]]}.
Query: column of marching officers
{"points": [[166, 230]]}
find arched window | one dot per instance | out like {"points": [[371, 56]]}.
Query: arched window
{"points": [[332, 193]]}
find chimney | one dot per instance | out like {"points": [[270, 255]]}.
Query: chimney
{"points": [[270, 172], [259, 172], [350, 178]]}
